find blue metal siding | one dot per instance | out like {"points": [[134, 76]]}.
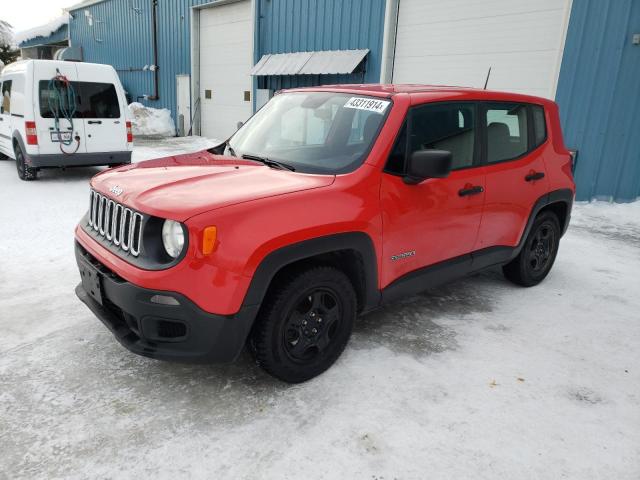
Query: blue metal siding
{"points": [[122, 36], [599, 98], [59, 36], [286, 26]]}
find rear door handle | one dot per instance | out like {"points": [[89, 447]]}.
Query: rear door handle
{"points": [[475, 190], [532, 177], [95, 122]]}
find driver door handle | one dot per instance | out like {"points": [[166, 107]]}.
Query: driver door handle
{"points": [[471, 190]]}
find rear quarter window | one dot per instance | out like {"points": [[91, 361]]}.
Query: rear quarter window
{"points": [[539, 125], [92, 100]]}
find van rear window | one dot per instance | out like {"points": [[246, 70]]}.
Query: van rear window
{"points": [[93, 100]]}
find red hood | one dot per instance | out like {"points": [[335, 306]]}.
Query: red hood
{"points": [[186, 185]]}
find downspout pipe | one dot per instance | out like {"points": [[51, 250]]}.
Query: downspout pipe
{"points": [[154, 13]]}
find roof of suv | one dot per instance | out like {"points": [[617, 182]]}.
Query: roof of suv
{"points": [[431, 91]]}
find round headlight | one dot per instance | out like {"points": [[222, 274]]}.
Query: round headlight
{"points": [[172, 237]]}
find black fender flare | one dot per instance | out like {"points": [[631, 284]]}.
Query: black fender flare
{"points": [[563, 195], [278, 259], [17, 137]]}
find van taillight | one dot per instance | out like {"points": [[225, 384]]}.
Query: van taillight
{"points": [[31, 132], [129, 133]]}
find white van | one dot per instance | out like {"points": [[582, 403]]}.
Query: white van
{"points": [[63, 114]]}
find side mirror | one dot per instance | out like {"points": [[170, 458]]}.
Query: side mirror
{"points": [[425, 164]]}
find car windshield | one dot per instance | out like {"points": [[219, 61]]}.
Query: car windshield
{"points": [[314, 132]]}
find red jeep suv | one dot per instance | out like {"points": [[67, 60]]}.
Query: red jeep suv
{"points": [[326, 204]]}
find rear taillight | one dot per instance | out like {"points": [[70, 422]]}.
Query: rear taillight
{"points": [[31, 133], [129, 133]]}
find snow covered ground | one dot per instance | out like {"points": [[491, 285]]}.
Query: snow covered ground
{"points": [[477, 379]]}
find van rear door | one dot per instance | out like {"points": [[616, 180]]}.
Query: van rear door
{"points": [[48, 103], [103, 107]]}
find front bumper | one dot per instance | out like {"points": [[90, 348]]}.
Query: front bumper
{"points": [[79, 159], [179, 332]]}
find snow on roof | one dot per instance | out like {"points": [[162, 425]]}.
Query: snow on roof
{"points": [[42, 30], [84, 3]]}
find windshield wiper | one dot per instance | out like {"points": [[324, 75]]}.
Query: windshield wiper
{"points": [[270, 163]]}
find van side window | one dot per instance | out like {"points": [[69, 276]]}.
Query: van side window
{"points": [[6, 96], [507, 131], [539, 125], [445, 126]]}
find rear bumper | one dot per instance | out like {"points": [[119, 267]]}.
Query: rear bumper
{"points": [[181, 333], [78, 159]]}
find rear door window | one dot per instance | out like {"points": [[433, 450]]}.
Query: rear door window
{"points": [[507, 131], [92, 100]]}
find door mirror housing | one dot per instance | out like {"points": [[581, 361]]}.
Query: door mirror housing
{"points": [[425, 164]]}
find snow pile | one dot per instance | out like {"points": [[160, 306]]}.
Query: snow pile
{"points": [[6, 33], [42, 30], [151, 121]]}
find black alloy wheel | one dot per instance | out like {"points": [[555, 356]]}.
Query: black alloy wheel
{"points": [[304, 324], [541, 247], [312, 324], [538, 254]]}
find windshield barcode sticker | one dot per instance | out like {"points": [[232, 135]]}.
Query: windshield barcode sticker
{"points": [[369, 104]]}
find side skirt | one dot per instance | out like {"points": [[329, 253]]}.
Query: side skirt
{"points": [[444, 272]]}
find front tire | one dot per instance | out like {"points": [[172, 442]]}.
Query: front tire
{"points": [[305, 324], [25, 172], [538, 254]]}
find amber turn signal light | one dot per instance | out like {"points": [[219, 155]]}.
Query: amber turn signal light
{"points": [[209, 240]]}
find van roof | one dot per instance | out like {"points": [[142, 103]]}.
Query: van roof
{"points": [[24, 65]]}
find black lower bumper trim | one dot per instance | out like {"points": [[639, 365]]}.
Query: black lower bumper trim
{"points": [[176, 332], [79, 159]]}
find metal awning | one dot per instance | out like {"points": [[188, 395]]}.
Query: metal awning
{"points": [[309, 63]]}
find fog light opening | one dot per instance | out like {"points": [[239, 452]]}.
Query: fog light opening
{"points": [[164, 300]]}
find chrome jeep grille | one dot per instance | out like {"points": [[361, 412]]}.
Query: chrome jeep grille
{"points": [[116, 223]]}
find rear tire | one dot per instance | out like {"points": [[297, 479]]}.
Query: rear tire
{"points": [[538, 253], [25, 172], [305, 324]]}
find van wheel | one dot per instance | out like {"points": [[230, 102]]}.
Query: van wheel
{"points": [[536, 258], [25, 172], [305, 324]]}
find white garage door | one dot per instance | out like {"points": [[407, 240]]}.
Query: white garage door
{"points": [[455, 42], [226, 39]]}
